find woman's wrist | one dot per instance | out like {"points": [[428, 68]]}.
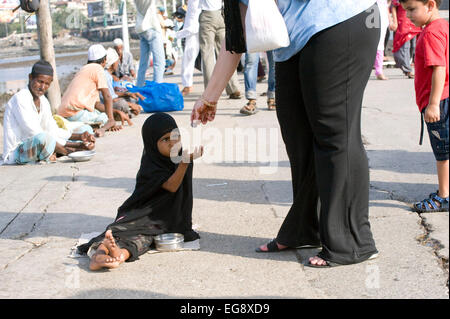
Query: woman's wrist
{"points": [[209, 103]]}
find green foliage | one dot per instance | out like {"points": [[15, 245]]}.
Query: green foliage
{"points": [[11, 28]]}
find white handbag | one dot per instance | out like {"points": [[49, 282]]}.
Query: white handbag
{"points": [[265, 28]]}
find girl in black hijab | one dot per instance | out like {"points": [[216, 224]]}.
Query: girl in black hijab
{"points": [[161, 201]]}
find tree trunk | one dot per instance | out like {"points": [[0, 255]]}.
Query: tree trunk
{"points": [[45, 34]]}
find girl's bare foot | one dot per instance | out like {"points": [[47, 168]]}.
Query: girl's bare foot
{"points": [[110, 243], [99, 261]]}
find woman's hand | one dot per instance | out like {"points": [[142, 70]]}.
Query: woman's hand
{"points": [[203, 112]]}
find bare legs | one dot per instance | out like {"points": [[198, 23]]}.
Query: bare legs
{"points": [[108, 254], [443, 173]]}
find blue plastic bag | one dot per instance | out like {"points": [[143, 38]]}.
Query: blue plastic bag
{"points": [[159, 97]]}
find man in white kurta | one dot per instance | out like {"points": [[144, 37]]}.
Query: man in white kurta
{"points": [[192, 45], [30, 133]]}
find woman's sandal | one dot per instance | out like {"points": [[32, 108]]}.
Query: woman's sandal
{"points": [[330, 264], [433, 204], [271, 104], [249, 108], [272, 247]]}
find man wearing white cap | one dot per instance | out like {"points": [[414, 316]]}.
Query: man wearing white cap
{"points": [[119, 102], [81, 101], [126, 70]]}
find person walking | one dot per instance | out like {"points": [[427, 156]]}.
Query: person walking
{"points": [[252, 61], [192, 45], [149, 30], [404, 39], [211, 35]]}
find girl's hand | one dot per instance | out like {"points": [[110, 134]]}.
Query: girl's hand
{"points": [[432, 113], [198, 152], [189, 158]]}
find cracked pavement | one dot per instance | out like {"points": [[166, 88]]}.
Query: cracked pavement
{"points": [[237, 206]]}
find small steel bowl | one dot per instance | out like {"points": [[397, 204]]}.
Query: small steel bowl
{"points": [[169, 242], [82, 156]]}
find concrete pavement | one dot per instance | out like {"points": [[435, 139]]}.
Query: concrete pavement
{"points": [[238, 206]]}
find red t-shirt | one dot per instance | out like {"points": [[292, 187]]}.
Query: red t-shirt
{"points": [[406, 29], [431, 50]]}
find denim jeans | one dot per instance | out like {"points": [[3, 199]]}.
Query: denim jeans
{"points": [[438, 133], [251, 75], [151, 42], [271, 81]]}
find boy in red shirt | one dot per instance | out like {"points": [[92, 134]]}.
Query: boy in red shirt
{"points": [[432, 91]]}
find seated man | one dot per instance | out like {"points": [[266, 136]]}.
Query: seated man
{"points": [[119, 101], [125, 70], [81, 100], [30, 132]]}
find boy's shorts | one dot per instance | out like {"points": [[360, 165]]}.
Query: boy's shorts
{"points": [[438, 133]]}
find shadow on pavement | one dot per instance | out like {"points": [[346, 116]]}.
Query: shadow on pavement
{"points": [[401, 161]]}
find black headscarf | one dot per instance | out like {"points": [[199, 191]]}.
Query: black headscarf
{"points": [[155, 168], [152, 210]]}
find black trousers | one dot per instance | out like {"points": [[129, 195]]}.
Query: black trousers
{"points": [[319, 102]]}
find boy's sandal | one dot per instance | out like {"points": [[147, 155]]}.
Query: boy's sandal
{"points": [[249, 108], [272, 247], [271, 104], [432, 204]]}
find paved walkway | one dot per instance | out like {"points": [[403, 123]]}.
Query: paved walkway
{"points": [[238, 206]]}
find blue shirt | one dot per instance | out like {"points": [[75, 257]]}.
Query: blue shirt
{"points": [[305, 18], [109, 80]]}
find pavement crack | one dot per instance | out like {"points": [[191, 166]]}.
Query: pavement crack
{"points": [[74, 172], [35, 246], [426, 240], [20, 211], [266, 196], [391, 195], [45, 210]]}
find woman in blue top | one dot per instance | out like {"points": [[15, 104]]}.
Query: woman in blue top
{"points": [[320, 81]]}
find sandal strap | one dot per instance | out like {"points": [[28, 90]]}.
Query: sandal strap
{"points": [[426, 203], [437, 198], [272, 246]]}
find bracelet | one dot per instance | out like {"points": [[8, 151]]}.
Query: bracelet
{"points": [[209, 104]]}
